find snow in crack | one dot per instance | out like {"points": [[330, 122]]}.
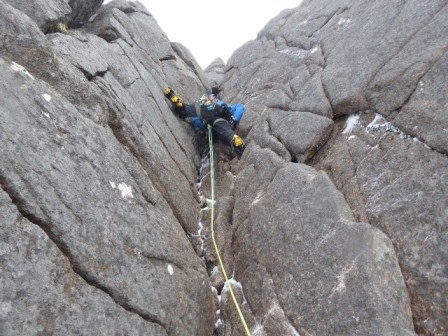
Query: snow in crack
{"points": [[379, 123], [351, 122], [18, 68]]}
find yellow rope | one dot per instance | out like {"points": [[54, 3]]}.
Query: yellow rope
{"points": [[212, 182]]}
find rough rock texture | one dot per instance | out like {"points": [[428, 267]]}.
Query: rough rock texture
{"points": [[43, 13], [215, 71], [46, 14], [102, 173], [82, 10], [385, 63], [45, 295], [403, 188], [300, 249], [333, 222]]}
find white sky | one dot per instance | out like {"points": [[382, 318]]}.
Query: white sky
{"points": [[212, 29]]}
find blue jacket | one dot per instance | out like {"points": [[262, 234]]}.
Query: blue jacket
{"points": [[236, 109]]}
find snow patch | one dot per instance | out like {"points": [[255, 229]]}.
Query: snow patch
{"points": [[421, 85], [206, 202], [201, 226], [377, 122], [233, 282], [314, 50], [215, 271], [258, 330], [297, 53], [236, 284], [47, 97], [18, 68], [258, 197], [293, 330], [170, 269], [351, 122], [344, 21], [126, 191], [218, 323]]}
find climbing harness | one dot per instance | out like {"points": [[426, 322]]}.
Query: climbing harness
{"points": [[212, 183]]}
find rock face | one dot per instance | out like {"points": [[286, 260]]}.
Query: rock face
{"points": [[402, 184], [215, 71], [383, 63], [333, 222], [97, 177], [46, 14], [45, 295], [43, 13], [82, 10]]}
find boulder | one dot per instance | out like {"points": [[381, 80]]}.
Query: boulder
{"points": [[82, 11], [44, 13], [215, 71], [47, 14]]}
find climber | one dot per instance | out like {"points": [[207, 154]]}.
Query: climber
{"points": [[209, 110]]}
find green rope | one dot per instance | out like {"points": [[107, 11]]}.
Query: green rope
{"points": [[212, 182]]}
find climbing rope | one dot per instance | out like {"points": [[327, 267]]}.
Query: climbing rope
{"points": [[212, 183]]}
